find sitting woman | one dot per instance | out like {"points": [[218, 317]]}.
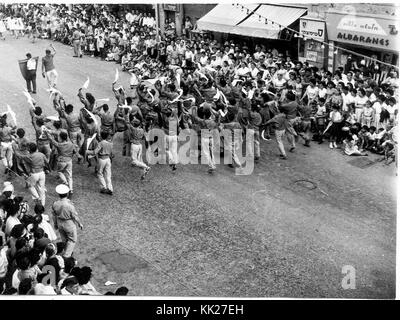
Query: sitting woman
{"points": [[126, 62], [350, 144]]}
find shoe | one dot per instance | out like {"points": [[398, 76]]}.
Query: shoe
{"points": [[331, 145], [334, 145], [256, 158], [231, 165], [173, 167], [307, 145], [292, 149], [282, 157], [103, 190], [34, 92], [108, 191], [146, 171], [75, 56], [211, 170]]}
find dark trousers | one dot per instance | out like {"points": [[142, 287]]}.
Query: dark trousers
{"points": [[31, 81]]}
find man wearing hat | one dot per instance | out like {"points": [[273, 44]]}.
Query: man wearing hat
{"points": [[65, 219]]}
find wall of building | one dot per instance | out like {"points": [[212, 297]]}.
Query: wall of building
{"points": [[319, 10], [196, 11]]}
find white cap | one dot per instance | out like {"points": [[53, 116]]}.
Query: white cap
{"points": [[8, 186], [62, 189]]}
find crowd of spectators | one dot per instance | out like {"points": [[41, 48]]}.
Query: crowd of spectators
{"points": [[228, 84], [31, 257]]}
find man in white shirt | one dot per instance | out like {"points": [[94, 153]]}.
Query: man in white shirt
{"points": [[347, 99], [31, 65]]}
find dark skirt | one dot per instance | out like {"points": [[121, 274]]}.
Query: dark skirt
{"points": [[336, 129]]}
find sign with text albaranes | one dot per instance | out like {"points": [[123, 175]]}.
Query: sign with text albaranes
{"points": [[369, 30]]}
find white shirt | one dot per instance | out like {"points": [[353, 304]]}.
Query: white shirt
{"points": [[360, 101], [335, 116], [377, 107], [10, 223], [31, 64], [322, 92], [347, 99]]}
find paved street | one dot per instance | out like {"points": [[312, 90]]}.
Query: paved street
{"points": [[191, 234]]}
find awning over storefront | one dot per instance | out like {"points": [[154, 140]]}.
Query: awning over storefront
{"points": [[366, 30], [231, 19]]}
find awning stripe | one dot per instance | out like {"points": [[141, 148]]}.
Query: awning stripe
{"points": [[226, 18]]}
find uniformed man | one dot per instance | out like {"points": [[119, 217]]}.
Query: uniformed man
{"points": [[104, 151], [76, 42], [65, 151], [66, 219], [37, 163]]}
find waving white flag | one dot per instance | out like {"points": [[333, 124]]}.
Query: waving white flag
{"points": [[116, 75], [86, 84], [105, 100], [29, 98], [12, 114]]}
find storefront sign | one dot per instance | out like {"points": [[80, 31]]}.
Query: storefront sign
{"points": [[311, 56], [170, 7], [366, 31], [313, 29]]}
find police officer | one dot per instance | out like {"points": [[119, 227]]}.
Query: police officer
{"points": [[66, 219]]}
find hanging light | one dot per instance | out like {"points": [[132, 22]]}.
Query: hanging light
{"points": [[266, 21], [322, 46], [336, 51]]}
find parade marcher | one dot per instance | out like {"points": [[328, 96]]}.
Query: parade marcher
{"points": [[42, 140], [66, 219], [136, 135], [253, 127], [104, 152], [209, 124], [37, 164], [65, 152], [106, 117], [48, 69], [21, 144], [31, 67], [280, 124], [290, 109], [6, 139]]}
